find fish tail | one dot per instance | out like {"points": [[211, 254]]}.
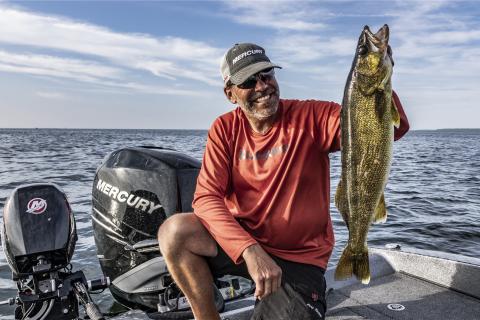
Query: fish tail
{"points": [[345, 264], [361, 266]]}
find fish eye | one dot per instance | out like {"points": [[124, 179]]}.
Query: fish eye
{"points": [[362, 50]]}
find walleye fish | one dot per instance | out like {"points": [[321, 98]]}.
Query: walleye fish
{"points": [[367, 119]]}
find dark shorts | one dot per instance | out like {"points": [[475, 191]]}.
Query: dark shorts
{"points": [[301, 297]]}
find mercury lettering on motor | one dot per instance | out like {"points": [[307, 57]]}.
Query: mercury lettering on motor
{"points": [[124, 196]]}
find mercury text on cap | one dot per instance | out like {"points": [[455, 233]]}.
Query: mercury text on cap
{"points": [[246, 54]]}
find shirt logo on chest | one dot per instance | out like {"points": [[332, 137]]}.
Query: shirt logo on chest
{"points": [[262, 155]]}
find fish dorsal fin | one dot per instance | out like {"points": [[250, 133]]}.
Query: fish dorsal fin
{"points": [[395, 114]]}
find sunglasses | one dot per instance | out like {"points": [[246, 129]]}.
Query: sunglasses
{"points": [[251, 81]]}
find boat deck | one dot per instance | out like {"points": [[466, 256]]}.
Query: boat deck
{"points": [[421, 300], [405, 284]]}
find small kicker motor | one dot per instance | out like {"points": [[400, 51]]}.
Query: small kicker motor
{"points": [[38, 238]]}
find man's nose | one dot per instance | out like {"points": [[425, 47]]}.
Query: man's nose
{"points": [[261, 84]]}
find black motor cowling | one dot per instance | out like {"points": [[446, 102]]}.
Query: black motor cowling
{"points": [[38, 224], [38, 238], [134, 191]]}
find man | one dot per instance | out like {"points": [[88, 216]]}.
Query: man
{"points": [[261, 206]]}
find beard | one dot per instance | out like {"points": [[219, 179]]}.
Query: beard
{"points": [[262, 111]]}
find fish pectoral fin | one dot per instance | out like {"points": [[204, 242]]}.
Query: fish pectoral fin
{"points": [[341, 203], [386, 79], [381, 211], [395, 114]]}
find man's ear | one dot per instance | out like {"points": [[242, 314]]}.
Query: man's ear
{"points": [[230, 95]]}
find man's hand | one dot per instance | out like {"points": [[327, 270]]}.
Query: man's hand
{"points": [[266, 274]]}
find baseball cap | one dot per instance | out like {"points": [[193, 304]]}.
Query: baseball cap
{"points": [[243, 60]]}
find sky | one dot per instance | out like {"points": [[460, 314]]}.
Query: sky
{"points": [[155, 64]]}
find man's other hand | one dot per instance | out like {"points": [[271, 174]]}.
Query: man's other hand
{"points": [[264, 271]]}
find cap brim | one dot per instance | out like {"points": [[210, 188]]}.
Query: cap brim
{"points": [[246, 72]]}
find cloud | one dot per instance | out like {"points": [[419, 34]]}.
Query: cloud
{"points": [[168, 57], [80, 70], [45, 65], [434, 43], [51, 95], [303, 48], [437, 44], [157, 89], [279, 15], [453, 37]]}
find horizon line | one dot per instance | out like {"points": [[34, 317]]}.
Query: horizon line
{"points": [[206, 129]]}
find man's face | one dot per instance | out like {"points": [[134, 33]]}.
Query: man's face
{"points": [[261, 100]]}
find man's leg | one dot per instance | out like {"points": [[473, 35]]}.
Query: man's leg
{"points": [[185, 244]]}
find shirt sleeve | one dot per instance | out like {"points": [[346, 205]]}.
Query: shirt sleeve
{"points": [[327, 124], [404, 125], [212, 186]]}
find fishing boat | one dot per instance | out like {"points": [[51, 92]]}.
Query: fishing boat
{"points": [[135, 189]]}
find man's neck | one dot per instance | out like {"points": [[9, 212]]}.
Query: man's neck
{"points": [[261, 125]]}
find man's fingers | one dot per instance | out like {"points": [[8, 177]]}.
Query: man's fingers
{"points": [[276, 281], [271, 283], [268, 286], [276, 284], [259, 288]]}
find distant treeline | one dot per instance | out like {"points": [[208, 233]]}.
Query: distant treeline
{"points": [[453, 130]]}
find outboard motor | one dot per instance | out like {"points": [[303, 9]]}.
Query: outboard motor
{"points": [[38, 238], [134, 191]]}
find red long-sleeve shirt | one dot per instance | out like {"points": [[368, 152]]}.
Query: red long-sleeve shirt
{"points": [[273, 188]]}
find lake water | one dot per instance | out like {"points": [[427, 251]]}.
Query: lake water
{"points": [[433, 194]]}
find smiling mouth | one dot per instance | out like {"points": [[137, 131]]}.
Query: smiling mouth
{"points": [[264, 98]]}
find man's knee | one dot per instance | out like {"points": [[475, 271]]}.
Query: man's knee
{"points": [[184, 231], [173, 232]]}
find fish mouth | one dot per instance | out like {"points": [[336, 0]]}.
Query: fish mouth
{"points": [[382, 34], [375, 42]]}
